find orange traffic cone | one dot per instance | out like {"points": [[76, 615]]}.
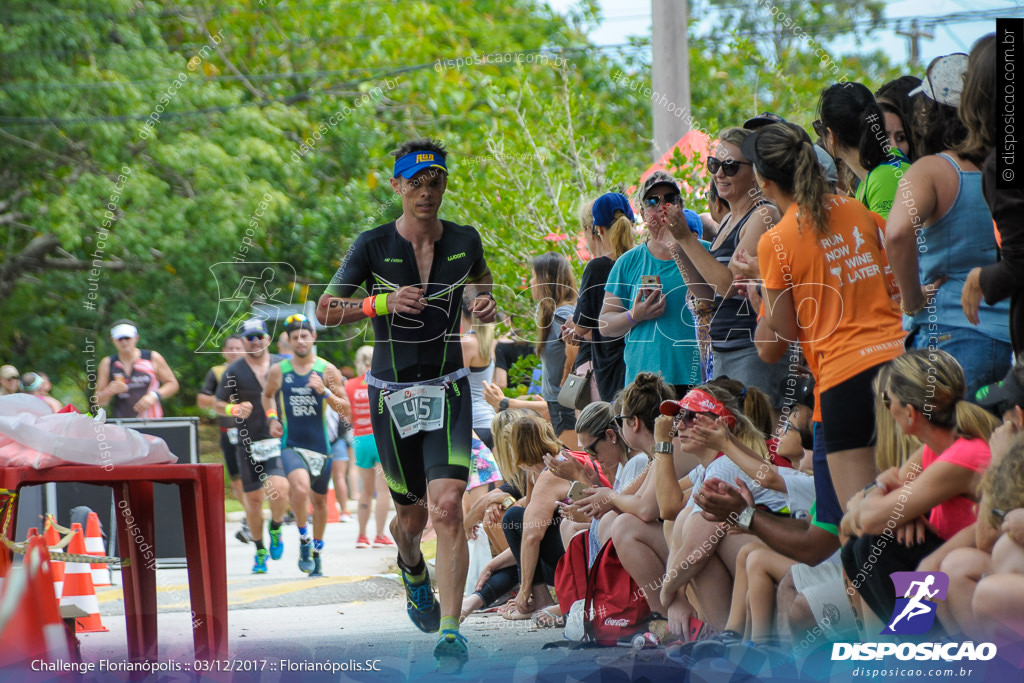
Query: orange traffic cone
{"points": [[94, 546], [56, 566], [31, 629], [332, 507], [78, 590]]}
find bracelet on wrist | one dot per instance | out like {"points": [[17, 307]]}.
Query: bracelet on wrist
{"points": [[380, 304], [272, 415], [229, 410], [489, 295], [157, 395], [912, 313], [368, 307], [630, 317]]}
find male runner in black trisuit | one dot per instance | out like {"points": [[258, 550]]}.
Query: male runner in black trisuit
{"points": [[409, 277], [240, 395]]}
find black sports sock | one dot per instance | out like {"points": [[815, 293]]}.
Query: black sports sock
{"points": [[274, 526], [417, 574], [259, 545]]}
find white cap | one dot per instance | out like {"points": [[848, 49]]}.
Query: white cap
{"points": [[945, 79]]}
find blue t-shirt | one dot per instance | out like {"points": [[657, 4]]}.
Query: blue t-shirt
{"points": [[667, 344]]}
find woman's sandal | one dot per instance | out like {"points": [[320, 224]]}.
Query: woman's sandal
{"points": [[548, 617]]}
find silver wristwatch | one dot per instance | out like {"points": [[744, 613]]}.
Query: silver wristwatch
{"points": [[744, 519], [663, 447]]}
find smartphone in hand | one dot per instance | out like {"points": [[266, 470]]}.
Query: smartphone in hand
{"points": [[649, 286]]}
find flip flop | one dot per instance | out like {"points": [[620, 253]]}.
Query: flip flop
{"points": [[548, 617], [515, 615]]}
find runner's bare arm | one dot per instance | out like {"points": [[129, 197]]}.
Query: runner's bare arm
{"points": [[482, 303], [271, 388], [168, 382], [333, 310], [336, 399]]}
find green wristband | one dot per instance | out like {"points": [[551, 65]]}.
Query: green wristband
{"points": [[381, 304]]}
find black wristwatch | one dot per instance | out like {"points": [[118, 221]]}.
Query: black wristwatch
{"points": [[503, 404]]}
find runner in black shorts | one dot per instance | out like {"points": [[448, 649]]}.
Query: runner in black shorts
{"points": [[240, 395], [300, 387], [234, 348], [409, 276]]}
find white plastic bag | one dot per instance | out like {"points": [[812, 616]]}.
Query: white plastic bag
{"points": [[29, 439], [479, 556]]}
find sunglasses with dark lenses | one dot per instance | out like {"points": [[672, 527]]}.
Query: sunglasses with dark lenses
{"points": [[729, 167], [886, 401], [592, 448], [123, 338], [619, 420], [657, 200], [255, 337]]}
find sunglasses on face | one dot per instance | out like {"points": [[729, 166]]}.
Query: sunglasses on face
{"points": [[592, 448], [886, 401], [255, 337], [657, 200], [729, 167], [122, 338]]}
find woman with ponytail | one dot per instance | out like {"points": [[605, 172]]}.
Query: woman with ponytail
{"points": [[825, 286], [906, 514], [553, 287], [608, 230], [852, 126]]}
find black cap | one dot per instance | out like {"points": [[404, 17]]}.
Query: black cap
{"points": [[797, 390], [765, 118], [657, 178], [1005, 394]]}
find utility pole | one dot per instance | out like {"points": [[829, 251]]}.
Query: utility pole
{"points": [[913, 37], [670, 73]]}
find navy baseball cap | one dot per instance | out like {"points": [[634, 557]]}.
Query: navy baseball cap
{"points": [[605, 207], [253, 326], [412, 163]]}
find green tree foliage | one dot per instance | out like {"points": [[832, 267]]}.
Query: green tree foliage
{"points": [[144, 142]]}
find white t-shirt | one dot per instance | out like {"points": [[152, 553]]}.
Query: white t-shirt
{"points": [[624, 476], [799, 491], [725, 469]]}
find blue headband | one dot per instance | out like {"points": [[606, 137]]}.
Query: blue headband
{"points": [[605, 207], [414, 162]]}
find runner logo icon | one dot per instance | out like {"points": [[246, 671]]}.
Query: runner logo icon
{"points": [[916, 597]]}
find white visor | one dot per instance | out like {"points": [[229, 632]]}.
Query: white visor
{"points": [[123, 330]]}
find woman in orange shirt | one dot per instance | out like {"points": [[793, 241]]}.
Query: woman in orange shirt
{"points": [[825, 286]]}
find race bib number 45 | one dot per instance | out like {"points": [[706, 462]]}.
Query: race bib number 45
{"points": [[416, 409]]}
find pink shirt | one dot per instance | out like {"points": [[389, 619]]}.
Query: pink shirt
{"points": [[950, 516]]}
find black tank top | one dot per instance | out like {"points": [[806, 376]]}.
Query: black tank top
{"points": [[734, 320]]}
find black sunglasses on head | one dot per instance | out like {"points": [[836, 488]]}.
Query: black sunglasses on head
{"points": [[729, 167], [656, 200]]}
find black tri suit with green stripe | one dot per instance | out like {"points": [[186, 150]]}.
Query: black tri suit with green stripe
{"points": [[417, 349]]}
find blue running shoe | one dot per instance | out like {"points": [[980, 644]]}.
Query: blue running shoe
{"points": [[451, 652], [260, 565], [317, 569], [276, 544], [305, 556], [421, 604]]}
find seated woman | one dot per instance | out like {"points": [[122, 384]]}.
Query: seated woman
{"points": [[599, 437], [499, 576], [905, 515], [699, 546], [532, 529], [635, 530]]}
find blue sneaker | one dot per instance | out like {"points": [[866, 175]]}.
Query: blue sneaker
{"points": [[421, 605], [305, 556], [317, 569], [276, 544], [451, 652], [260, 565]]}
